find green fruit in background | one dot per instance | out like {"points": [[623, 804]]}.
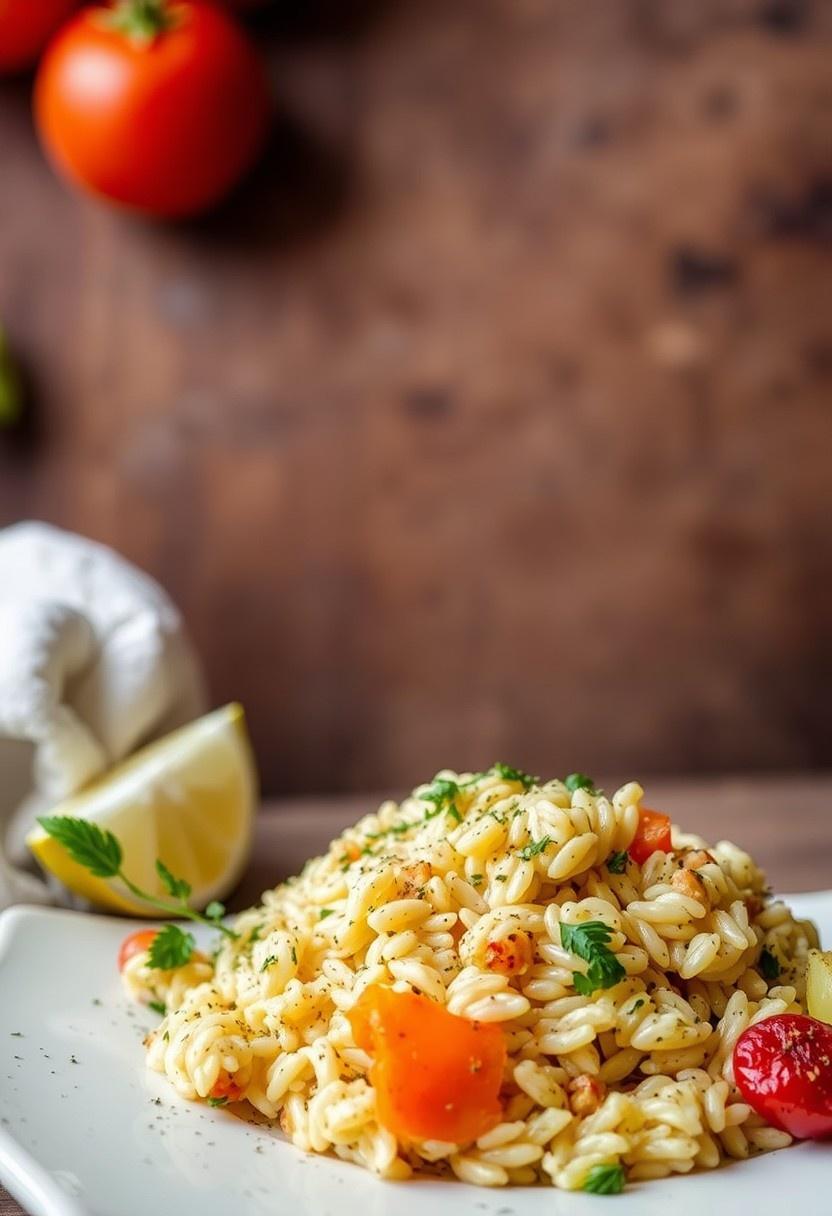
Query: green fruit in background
{"points": [[11, 386]]}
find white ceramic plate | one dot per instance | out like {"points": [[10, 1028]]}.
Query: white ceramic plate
{"points": [[85, 1130]]}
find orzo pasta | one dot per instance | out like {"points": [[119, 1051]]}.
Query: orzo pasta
{"points": [[619, 988]]}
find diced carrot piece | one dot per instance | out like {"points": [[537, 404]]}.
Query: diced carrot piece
{"points": [[436, 1076]]}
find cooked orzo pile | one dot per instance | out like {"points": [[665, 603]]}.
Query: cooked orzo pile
{"points": [[499, 979]]}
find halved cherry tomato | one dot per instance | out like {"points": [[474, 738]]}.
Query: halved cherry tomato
{"points": [[135, 943], [783, 1067], [652, 835], [436, 1076], [25, 28], [226, 1087]]}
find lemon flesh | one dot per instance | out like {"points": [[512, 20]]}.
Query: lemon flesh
{"points": [[819, 985], [188, 799]]}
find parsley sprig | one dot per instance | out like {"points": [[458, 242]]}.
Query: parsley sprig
{"points": [[604, 1180], [589, 941], [100, 852]]}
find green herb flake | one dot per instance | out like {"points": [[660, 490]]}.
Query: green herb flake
{"points": [[325, 912], [589, 941], [514, 774], [579, 781], [617, 862], [769, 964], [217, 1101], [454, 813], [440, 792], [475, 880], [294, 956], [157, 1007], [534, 848], [605, 1180], [501, 877], [171, 947], [268, 962]]}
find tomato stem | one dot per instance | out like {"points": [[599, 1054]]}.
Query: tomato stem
{"points": [[142, 21]]}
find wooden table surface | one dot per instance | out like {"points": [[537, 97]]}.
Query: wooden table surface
{"points": [[783, 820], [509, 371]]}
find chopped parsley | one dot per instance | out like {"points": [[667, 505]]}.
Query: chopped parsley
{"points": [[294, 956], [769, 964], [589, 941], [475, 880], [217, 1101], [268, 962], [617, 862], [501, 877], [157, 1007], [514, 774], [604, 1180], [579, 781], [325, 912], [534, 848], [440, 792], [255, 934]]}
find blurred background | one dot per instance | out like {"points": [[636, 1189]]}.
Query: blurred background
{"points": [[490, 417]]}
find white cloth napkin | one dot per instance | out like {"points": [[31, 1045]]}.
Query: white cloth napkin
{"points": [[94, 661]]}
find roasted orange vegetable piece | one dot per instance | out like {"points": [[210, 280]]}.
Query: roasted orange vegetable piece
{"points": [[436, 1076]]}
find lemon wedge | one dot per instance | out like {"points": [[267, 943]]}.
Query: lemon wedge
{"points": [[188, 798]]}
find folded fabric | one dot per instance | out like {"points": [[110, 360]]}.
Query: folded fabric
{"points": [[94, 662]]}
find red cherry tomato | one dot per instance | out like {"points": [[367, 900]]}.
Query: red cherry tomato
{"points": [[25, 28], [164, 125], [135, 943], [783, 1067], [652, 835]]}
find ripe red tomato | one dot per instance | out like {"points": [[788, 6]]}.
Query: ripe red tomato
{"points": [[135, 943], [166, 124], [652, 835], [783, 1067], [25, 28]]}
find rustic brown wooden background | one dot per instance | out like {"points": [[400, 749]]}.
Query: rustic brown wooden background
{"points": [[493, 417]]}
